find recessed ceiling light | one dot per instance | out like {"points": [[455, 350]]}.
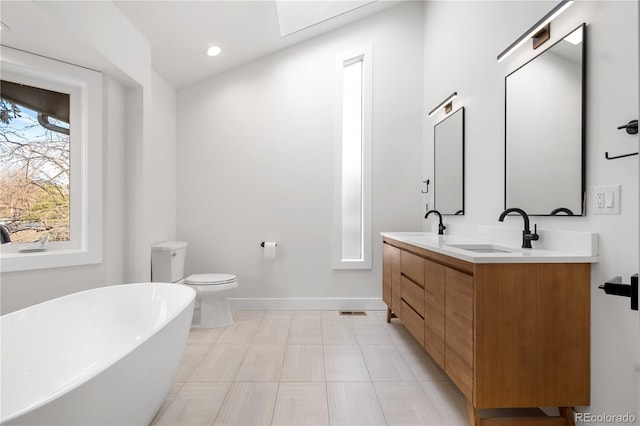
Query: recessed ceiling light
{"points": [[213, 51], [3, 26]]}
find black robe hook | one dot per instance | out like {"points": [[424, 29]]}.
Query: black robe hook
{"points": [[631, 127]]}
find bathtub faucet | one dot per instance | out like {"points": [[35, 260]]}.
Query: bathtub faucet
{"points": [[441, 226], [527, 235]]}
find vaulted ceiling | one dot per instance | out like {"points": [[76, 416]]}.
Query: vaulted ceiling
{"points": [[181, 31]]}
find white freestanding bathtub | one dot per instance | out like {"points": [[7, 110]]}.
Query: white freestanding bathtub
{"points": [[99, 357]]}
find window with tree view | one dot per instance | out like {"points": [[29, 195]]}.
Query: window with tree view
{"points": [[34, 163]]}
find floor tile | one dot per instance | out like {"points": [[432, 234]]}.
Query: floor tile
{"points": [[261, 364], [191, 358], [240, 332], [272, 332], [354, 403], [248, 315], [448, 401], [248, 403], [405, 404], [385, 363], [338, 333], [195, 404], [310, 367], [372, 333], [423, 367], [279, 315], [301, 404], [381, 315], [305, 332], [333, 316], [204, 336], [220, 364], [312, 315], [173, 391], [303, 363], [344, 363], [369, 316], [399, 333]]}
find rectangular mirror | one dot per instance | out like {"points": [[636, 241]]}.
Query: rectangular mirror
{"points": [[544, 131], [448, 137]]}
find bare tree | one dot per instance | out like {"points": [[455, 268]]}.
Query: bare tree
{"points": [[35, 173]]}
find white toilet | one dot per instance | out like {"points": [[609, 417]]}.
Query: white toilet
{"points": [[212, 307]]}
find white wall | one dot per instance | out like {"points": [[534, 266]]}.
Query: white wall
{"points": [[465, 61], [25, 288], [138, 143], [255, 163], [163, 161]]}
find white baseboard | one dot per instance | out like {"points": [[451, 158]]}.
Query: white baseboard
{"points": [[304, 304]]}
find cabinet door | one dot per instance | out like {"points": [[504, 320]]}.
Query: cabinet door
{"points": [[396, 281], [386, 273], [459, 329], [434, 301]]}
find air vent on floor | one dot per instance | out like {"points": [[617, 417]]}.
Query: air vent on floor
{"points": [[353, 313]]}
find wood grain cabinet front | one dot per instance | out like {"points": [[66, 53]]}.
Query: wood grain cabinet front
{"points": [[508, 335], [434, 305], [391, 280], [459, 330]]}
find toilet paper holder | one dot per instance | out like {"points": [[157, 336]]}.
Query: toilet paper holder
{"points": [[262, 244]]}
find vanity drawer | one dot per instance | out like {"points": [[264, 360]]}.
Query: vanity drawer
{"points": [[413, 294], [412, 267], [413, 322]]}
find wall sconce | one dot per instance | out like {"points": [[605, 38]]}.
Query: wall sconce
{"points": [[539, 32], [447, 104]]}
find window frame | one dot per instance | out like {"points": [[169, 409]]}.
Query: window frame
{"points": [[85, 87], [363, 53]]}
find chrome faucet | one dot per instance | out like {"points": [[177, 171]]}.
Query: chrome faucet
{"points": [[527, 235], [441, 226]]}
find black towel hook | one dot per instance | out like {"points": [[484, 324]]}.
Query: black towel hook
{"points": [[631, 127]]}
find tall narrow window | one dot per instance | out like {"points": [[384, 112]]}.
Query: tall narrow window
{"points": [[352, 221]]}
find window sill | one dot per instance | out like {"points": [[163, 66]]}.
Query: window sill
{"points": [[14, 262]]}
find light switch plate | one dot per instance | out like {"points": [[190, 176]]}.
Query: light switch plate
{"points": [[606, 199]]}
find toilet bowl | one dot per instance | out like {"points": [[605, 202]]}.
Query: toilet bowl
{"points": [[212, 306], [212, 290]]}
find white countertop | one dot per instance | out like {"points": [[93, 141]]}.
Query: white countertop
{"points": [[444, 244]]}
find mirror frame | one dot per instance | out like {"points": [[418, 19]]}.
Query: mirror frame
{"points": [[435, 185], [583, 106]]}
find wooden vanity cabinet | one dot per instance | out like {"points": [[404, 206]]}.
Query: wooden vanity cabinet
{"points": [[391, 280], [459, 321], [508, 335], [434, 297]]}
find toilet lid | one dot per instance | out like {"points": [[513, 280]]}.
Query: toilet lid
{"points": [[210, 279]]}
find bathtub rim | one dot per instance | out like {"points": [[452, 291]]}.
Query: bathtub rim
{"points": [[117, 356]]}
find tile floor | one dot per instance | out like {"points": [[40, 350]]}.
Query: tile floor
{"points": [[309, 368]]}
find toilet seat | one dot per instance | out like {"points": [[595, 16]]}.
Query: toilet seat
{"points": [[210, 279]]}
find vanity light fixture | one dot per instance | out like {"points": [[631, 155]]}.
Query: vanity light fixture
{"points": [[213, 51], [539, 32], [447, 104]]}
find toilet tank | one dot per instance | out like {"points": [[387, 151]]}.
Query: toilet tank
{"points": [[167, 261]]}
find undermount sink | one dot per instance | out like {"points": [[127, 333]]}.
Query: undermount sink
{"points": [[481, 248]]}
